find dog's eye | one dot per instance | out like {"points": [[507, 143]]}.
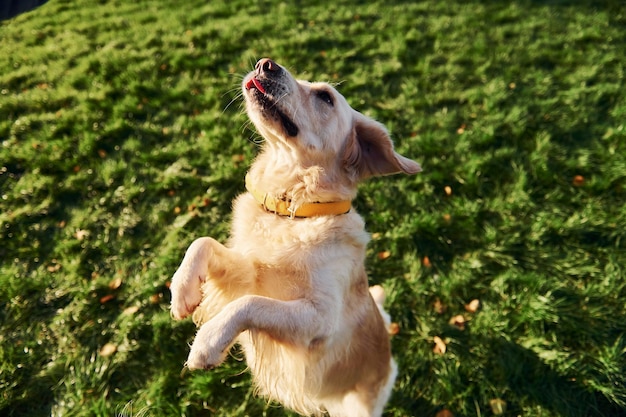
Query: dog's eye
{"points": [[325, 97]]}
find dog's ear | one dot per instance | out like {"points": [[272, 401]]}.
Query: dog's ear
{"points": [[369, 151]]}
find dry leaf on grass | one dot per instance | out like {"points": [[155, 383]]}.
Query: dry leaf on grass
{"points": [[130, 310], [384, 254], [54, 267], [498, 406], [472, 306], [439, 306], [108, 349], [394, 329], [578, 181], [81, 234], [440, 345], [458, 321], [115, 283], [444, 413], [106, 298]]}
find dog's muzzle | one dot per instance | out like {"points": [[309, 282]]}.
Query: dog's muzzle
{"points": [[266, 86], [265, 69]]}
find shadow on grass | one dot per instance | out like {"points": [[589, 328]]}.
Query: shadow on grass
{"points": [[592, 4], [524, 372], [573, 3], [27, 350]]}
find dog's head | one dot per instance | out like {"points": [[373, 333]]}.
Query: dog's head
{"points": [[313, 119]]}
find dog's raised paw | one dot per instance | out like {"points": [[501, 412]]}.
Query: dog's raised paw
{"points": [[204, 359], [184, 300], [181, 307], [210, 347], [193, 366]]}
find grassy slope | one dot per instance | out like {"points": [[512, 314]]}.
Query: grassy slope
{"points": [[117, 150]]}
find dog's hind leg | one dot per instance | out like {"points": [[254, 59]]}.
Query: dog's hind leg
{"points": [[378, 294], [367, 400]]}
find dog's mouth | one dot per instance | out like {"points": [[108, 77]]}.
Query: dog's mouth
{"points": [[268, 105], [255, 83]]}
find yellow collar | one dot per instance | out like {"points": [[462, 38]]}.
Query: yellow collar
{"points": [[282, 207]]}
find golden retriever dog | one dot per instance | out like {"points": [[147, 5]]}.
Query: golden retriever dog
{"points": [[290, 285]]}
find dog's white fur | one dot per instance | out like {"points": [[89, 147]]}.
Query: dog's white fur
{"points": [[293, 292]]}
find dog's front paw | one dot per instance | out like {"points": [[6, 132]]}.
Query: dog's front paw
{"points": [[184, 299], [208, 351], [186, 286], [202, 359]]}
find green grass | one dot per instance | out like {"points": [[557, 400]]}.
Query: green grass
{"points": [[120, 145]]}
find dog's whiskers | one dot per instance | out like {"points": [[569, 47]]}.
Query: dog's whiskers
{"points": [[237, 97]]}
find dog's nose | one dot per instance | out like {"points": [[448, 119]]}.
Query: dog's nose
{"points": [[267, 66]]}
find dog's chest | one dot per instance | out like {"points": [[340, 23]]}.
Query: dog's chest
{"points": [[255, 231], [290, 253]]}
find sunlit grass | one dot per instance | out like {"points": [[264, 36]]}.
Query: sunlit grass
{"points": [[122, 140]]}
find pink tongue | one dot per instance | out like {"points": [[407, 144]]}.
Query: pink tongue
{"points": [[255, 83]]}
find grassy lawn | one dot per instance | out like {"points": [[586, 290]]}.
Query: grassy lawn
{"points": [[122, 138]]}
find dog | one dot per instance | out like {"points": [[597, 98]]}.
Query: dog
{"points": [[290, 285]]}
